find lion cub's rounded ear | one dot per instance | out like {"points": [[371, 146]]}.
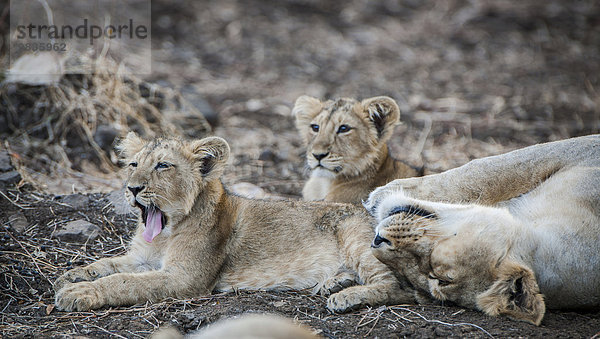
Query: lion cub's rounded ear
{"points": [[384, 113], [515, 294], [130, 145], [305, 109], [212, 154]]}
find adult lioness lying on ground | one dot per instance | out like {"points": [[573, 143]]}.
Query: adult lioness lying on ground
{"points": [[194, 237], [346, 147], [508, 234]]}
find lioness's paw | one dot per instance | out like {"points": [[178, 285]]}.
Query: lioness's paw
{"points": [[338, 282], [346, 300], [83, 296], [398, 186], [74, 276], [375, 199]]}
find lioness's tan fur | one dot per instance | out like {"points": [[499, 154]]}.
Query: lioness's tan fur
{"points": [[355, 161], [510, 234], [213, 240]]}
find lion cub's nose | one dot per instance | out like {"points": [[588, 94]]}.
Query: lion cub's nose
{"points": [[135, 190], [320, 156], [379, 240]]}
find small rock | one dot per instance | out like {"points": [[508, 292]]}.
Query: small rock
{"points": [[267, 155], [194, 126], [120, 204], [424, 332], [77, 201], [78, 231], [191, 94], [189, 320], [442, 332], [105, 137], [44, 68], [18, 222], [39, 254], [9, 178], [188, 316], [254, 105], [4, 129], [282, 110], [278, 304], [5, 164], [248, 190]]}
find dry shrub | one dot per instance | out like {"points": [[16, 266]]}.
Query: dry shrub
{"points": [[71, 126]]}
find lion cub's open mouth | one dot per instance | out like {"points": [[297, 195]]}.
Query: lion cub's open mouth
{"points": [[154, 220]]}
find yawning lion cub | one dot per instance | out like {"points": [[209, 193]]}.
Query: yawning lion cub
{"points": [[194, 237]]}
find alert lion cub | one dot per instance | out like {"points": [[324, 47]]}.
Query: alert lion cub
{"points": [[509, 235], [346, 147], [193, 237]]}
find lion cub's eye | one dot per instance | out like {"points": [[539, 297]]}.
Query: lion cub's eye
{"points": [[133, 164], [162, 165], [344, 129], [314, 127]]}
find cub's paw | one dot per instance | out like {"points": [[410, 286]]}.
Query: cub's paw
{"points": [[346, 300], [338, 282], [83, 296], [74, 276]]}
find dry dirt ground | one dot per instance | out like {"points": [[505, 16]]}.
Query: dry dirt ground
{"points": [[472, 78]]}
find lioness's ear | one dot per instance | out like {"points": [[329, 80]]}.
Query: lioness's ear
{"points": [[211, 154], [515, 294], [384, 113], [305, 109], [130, 145]]}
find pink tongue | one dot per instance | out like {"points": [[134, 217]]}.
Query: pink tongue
{"points": [[153, 224]]}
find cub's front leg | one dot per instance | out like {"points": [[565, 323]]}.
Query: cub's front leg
{"points": [[185, 272], [122, 289], [101, 268], [378, 284], [344, 278]]}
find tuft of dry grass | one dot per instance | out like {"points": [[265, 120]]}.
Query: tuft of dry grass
{"points": [[70, 127]]}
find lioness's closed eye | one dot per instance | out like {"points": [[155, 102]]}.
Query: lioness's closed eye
{"points": [[346, 146], [193, 237]]}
